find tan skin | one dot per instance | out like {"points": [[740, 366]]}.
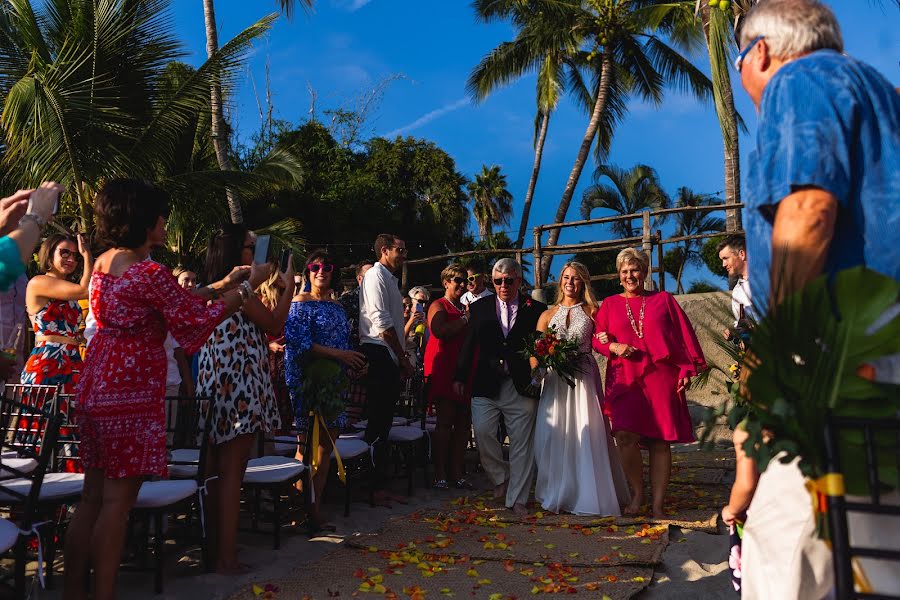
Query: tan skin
{"points": [[102, 515], [452, 431], [631, 276], [321, 291], [228, 460], [187, 280], [54, 285]]}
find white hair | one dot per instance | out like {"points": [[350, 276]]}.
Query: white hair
{"points": [[507, 266], [792, 27]]}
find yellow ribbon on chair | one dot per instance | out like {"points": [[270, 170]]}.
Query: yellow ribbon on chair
{"points": [[319, 422]]}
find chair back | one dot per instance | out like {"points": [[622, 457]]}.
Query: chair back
{"points": [[22, 431], [183, 430], [880, 442]]}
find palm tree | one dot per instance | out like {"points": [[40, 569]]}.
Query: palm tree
{"points": [[718, 32], [687, 224], [81, 84], [632, 191], [627, 56], [220, 130], [492, 202], [537, 47]]}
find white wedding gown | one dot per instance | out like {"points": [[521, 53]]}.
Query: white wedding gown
{"points": [[578, 466]]}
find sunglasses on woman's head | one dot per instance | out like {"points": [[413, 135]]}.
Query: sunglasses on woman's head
{"points": [[314, 268], [507, 281]]}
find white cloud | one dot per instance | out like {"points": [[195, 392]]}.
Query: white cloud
{"points": [[429, 117], [352, 5]]}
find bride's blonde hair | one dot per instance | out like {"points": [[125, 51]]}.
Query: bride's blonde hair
{"points": [[587, 292]]}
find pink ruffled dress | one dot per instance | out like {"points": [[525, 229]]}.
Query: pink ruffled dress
{"points": [[641, 394]]}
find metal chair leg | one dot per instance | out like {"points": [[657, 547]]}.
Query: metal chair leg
{"points": [[158, 545], [276, 517]]}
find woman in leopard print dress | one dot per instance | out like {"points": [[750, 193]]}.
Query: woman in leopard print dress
{"points": [[234, 373]]}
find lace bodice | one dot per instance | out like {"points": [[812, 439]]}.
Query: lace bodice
{"points": [[572, 323]]}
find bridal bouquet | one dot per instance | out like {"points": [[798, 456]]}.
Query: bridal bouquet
{"points": [[554, 353]]}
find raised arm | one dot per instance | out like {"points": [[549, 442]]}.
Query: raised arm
{"points": [[272, 322]]}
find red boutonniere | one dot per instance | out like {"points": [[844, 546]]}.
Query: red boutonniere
{"points": [[528, 303]]}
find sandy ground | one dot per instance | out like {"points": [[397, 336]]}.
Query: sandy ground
{"points": [[694, 564]]}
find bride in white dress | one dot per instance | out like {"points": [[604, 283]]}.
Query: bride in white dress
{"points": [[578, 466]]}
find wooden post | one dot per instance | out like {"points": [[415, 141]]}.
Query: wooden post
{"points": [[519, 257], [659, 254], [538, 284], [403, 276], [647, 245]]}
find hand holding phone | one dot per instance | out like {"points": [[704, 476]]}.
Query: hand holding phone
{"points": [[285, 258], [261, 255]]}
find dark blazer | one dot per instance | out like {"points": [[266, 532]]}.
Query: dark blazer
{"points": [[485, 347]]}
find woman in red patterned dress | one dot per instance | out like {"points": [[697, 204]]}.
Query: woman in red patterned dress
{"points": [[121, 392]]}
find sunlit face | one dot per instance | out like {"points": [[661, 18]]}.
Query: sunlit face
{"points": [[407, 307], [318, 277], [395, 255], [156, 237], [632, 277], [733, 262], [455, 287], [65, 258], [187, 280], [572, 284], [507, 285], [753, 73], [475, 281], [249, 249]]}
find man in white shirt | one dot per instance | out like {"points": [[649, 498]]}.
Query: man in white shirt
{"points": [[733, 254], [476, 286], [382, 341]]}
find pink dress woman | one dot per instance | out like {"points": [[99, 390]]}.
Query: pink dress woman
{"points": [[641, 389], [123, 383]]}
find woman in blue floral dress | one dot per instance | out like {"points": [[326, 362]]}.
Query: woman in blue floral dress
{"points": [[317, 327]]}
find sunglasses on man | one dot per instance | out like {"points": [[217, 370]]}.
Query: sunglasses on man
{"points": [[507, 281], [401, 250], [739, 61], [315, 267], [472, 278]]}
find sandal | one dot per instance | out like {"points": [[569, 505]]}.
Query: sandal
{"points": [[464, 484], [441, 484]]}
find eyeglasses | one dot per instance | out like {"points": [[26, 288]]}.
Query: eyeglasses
{"points": [[401, 250], [472, 278], [739, 61], [459, 280], [314, 268], [507, 281], [63, 253]]}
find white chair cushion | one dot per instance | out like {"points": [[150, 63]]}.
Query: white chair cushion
{"points": [[430, 427], [183, 471], [156, 494], [397, 422], [358, 435], [24, 465], [272, 469], [9, 533], [9, 454], [185, 455], [56, 486], [406, 433], [350, 447]]}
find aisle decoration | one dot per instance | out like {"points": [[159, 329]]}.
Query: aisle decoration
{"points": [[324, 388]]}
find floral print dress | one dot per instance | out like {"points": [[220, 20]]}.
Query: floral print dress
{"points": [[234, 372], [52, 363]]}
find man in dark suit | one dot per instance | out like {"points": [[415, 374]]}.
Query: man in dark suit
{"points": [[499, 327]]}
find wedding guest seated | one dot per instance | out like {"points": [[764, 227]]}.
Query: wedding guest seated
{"points": [[447, 322], [653, 354]]}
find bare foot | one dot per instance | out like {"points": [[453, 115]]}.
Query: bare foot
{"points": [[634, 507], [500, 491], [658, 513], [520, 510]]}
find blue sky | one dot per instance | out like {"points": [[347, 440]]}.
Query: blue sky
{"points": [[345, 47]]}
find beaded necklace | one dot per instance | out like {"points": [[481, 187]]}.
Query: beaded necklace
{"points": [[639, 326]]}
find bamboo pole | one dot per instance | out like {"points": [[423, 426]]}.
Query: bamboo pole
{"points": [[647, 245], [538, 284], [662, 267], [404, 276]]}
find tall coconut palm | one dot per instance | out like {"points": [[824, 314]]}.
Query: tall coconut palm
{"points": [[718, 19], [220, 131], [633, 190], [538, 47], [690, 223], [492, 201], [628, 54], [81, 89]]}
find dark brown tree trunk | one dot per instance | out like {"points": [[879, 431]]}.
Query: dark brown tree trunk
{"points": [[581, 159], [219, 128], [535, 170]]}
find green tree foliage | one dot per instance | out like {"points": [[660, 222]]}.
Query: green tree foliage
{"points": [[699, 287], [710, 256], [633, 190], [601, 263], [491, 200], [689, 224]]}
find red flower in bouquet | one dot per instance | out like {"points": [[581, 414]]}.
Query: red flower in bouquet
{"points": [[554, 353]]}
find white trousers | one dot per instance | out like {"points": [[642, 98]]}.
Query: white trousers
{"points": [[519, 414]]}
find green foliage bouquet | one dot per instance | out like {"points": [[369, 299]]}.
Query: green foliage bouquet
{"points": [[324, 385], [554, 353], [810, 358]]}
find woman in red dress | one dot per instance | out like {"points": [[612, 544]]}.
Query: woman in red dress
{"points": [[447, 321], [653, 353], [121, 392]]}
